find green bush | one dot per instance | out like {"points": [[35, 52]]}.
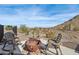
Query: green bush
{"points": [[8, 27], [23, 29]]}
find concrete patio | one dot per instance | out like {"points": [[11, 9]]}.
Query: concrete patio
{"points": [[51, 51]]}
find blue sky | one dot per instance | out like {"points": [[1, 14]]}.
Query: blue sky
{"points": [[37, 15]]}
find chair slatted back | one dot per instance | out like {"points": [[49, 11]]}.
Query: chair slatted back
{"points": [[9, 36], [59, 37]]}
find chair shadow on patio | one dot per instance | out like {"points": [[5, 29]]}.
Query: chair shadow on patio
{"points": [[9, 46], [77, 48]]}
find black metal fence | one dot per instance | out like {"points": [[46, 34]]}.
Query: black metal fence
{"points": [[1, 32], [15, 30]]}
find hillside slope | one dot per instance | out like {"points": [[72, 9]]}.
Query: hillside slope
{"points": [[71, 24], [70, 32]]}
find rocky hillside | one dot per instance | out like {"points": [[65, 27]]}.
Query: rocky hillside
{"points": [[70, 32], [72, 24]]}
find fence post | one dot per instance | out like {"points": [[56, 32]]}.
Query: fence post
{"points": [[15, 30], [1, 32]]}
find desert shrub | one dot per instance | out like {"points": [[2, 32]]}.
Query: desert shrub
{"points": [[76, 28], [8, 27], [23, 29], [35, 30], [69, 27], [72, 25], [51, 34]]}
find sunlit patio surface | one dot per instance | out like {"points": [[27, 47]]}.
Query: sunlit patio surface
{"points": [[16, 51], [20, 51], [51, 51]]}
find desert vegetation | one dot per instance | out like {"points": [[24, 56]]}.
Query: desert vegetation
{"points": [[35, 32], [8, 27]]}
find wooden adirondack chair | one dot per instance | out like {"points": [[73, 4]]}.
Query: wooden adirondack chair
{"points": [[56, 43], [9, 39]]}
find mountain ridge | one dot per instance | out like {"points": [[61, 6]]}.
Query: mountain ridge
{"points": [[72, 22]]}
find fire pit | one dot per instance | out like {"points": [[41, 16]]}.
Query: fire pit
{"points": [[32, 45]]}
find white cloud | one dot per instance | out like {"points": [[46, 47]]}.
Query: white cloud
{"points": [[22, 16]]}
